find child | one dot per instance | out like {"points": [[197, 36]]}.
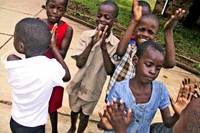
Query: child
{"points": [[55, 9], [93, 57], [145, 28], [188, 122], [159, 127], [143, 95], [32, 79], [146, 9]]}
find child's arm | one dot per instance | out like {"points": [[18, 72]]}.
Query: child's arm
{"points": [[58, 56], [170, 61], [109, 66], [82, 58], [122, 47], [66, 42], [183, 98]]}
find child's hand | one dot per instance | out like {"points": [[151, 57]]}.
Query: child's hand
{"points": [[137, 11], [171, 23], [192, 87], [98, 34], [53, 36], [103, 38], [183, 98], [118, 117], [13, 57], [104, 123]]}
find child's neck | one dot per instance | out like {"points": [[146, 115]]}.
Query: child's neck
{"points": [[50, 23], [141, 91]]}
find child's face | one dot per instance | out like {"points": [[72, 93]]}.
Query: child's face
{"points": [[149, 65], [55, 10], [106, 16], [146, 29]]}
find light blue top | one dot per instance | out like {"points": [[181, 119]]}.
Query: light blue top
{"points": [[142, 113]]}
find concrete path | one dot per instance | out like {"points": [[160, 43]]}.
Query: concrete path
{"points": [[11, 11]]}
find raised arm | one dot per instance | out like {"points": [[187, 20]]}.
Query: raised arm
{"points": [[122, 47], [58, 56], [170, 57]]}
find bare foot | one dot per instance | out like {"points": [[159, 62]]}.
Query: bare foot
{"points": [[171, 23]]}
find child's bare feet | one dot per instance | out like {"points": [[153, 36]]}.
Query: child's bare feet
{"points": [[171, 23]]}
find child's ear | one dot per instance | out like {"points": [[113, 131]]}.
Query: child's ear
{"points": [[21, 48], [135, 59]]}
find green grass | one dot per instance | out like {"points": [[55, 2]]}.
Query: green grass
{"points": [[187, 41]]}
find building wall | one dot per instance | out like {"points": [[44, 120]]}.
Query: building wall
{"points": [[172, 6]]}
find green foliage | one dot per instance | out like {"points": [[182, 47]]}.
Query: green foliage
{"points": [[187, 42], [197, 66]]}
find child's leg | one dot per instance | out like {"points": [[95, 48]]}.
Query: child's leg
{"points": [[54, 121], [74, 117], [83, 122]]}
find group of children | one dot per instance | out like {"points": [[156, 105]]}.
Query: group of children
{"points": [[133, 63]]}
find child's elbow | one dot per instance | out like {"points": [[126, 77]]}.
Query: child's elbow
{"points": [[67, 78], [167, 125], [170, 64], [79, 65]]}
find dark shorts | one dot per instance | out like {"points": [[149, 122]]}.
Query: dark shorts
{"points": [[17, 128], [159, 128]]}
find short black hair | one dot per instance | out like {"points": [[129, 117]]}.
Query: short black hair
{"points": [[34, 34], [66, 3], [152, 17], [142, 48], [111, 3], [142, 3]]}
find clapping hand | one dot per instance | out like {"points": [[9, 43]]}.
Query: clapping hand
{"points": [[185, 95], [53, 36], [100, 34]]}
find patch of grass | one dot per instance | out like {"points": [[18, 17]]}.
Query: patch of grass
{"points": [[187, 41]]}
